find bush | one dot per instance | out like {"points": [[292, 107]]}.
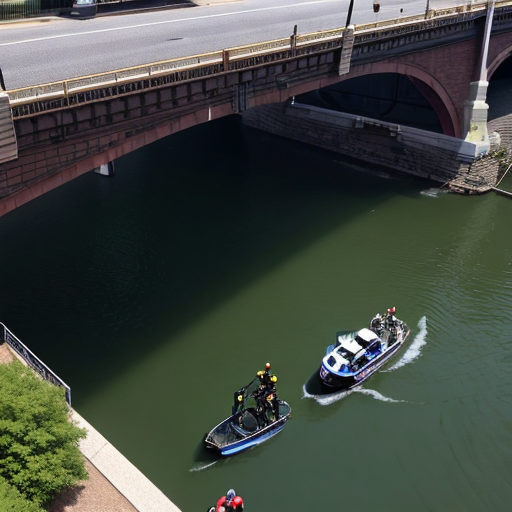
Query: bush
{"points": [[39, 453], [12, 501]]}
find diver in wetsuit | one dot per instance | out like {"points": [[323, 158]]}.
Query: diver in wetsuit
{"points": [[267, 395], [391, 323]]}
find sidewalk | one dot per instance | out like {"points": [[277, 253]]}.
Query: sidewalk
{"points": [[133, 6]]}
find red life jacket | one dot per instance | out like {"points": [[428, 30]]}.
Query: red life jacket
{"points": [[237, 503]]}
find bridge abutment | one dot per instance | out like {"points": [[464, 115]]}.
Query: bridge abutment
{"points": [[375, 144]]}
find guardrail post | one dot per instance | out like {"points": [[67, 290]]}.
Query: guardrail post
{"points": [[66, 98], [225, 60]]}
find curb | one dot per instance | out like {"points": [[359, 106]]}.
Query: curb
{"points": [[120, 472]]}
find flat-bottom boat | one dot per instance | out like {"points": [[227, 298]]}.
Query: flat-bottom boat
{"points": [[257, 415], [356, 355]]}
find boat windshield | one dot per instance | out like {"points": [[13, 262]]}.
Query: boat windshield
{"points": [[245, 398]]}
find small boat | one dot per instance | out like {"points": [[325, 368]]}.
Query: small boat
{"points": [[257, 415], [356, 355]]}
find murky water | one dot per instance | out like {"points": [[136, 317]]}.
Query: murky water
{"points": [[159, 292]]}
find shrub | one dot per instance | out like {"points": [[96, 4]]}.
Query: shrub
{"points": [[39, 453], [12, 501]]}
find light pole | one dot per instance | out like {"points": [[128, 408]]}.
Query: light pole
{"points": [[349, 15]]}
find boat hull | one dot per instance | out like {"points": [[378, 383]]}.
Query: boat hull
{"points": [[337, 381], [227, 438]]}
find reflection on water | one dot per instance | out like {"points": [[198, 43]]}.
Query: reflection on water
{"points": [[157, 293]]}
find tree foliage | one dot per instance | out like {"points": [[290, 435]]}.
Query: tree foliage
{"points": [[39, 452], [12, 501]]}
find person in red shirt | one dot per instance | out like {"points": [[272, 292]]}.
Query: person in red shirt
{"points": [[230, 503]]}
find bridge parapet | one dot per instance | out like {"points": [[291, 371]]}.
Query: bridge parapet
{"points": [[32, 101]]}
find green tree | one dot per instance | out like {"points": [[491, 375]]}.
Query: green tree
{"points": [[39, 452], [12, 501]]}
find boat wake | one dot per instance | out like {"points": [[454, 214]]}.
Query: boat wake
{"points": [[433, 192], [377, 395], [414, 351], [200, 467], [331, 398], [328, 398]]}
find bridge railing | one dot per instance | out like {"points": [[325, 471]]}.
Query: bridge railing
{"points": [[33, 361], [185, 68]]}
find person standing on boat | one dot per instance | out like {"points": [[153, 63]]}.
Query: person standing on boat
{"points": [[267, 381], [267, 392], [390, 317], [377, 323], [391, 323], [230, 503]]}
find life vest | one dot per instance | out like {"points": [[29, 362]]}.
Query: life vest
{"points": [[237, 503]]}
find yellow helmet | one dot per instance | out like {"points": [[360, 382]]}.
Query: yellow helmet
{"points": [[273, 378], [260, 373], [240, 397]]}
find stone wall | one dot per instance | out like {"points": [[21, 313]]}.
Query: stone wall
{"points": [[378, 144]]}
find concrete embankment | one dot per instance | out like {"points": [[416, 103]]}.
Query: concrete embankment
{"points": [[120, 472]]}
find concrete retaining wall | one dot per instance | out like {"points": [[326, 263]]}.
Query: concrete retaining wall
{"points": [[424, 154]]}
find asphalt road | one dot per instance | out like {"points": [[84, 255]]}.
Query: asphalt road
{"points": [[54, 49]]}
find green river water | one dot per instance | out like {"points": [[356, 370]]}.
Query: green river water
{"points": [[159, 292]]}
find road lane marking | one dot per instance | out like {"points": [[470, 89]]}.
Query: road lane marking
{"points": [[115, 29]]}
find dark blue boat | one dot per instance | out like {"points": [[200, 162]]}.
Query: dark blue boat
{"points": [[257, 415], [356, 355]]}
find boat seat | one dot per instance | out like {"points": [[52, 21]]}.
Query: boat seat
{"points": [[248, 421]]}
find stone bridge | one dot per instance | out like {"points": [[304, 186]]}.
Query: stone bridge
{"points": [[55, 132]]}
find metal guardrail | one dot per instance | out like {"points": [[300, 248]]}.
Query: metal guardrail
{"points": [[228, 58], [33, 361]]}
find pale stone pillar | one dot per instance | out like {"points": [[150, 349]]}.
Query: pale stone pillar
{"points": [[346, 50], [475, 117], [8, 143], [476, 108]]}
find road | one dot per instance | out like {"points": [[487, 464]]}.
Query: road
{"points": [[55, 49]]}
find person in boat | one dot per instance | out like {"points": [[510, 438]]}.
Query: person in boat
{"points": [[391, 319], [391, 323], [377, 323], [267, 381], [230, 503], [267, 395]]}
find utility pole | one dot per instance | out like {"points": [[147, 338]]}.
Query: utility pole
{"points": [[349, 15]]}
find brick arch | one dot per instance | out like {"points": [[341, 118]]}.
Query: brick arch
{"points": [[498, 61], [432, 90]]}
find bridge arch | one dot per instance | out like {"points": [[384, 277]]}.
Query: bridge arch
{"points": [[498, 61], [431, 89]]}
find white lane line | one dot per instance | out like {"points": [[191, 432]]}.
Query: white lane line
{"points": [[35, 40]]}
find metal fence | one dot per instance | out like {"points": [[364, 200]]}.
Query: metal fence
{"points": [[13, 9], [33, 361]]}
